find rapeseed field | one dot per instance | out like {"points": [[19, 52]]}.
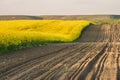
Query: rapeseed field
{"points": [[18, 34]]}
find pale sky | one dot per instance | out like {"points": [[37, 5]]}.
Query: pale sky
{"points": [[59, 7]]}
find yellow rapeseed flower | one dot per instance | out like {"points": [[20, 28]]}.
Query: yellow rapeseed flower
{"points": [[16, 32]]}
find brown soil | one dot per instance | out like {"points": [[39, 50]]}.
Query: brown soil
{"points": [[96, 56]]}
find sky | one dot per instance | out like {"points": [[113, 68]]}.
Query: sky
{"points": [[59, 7]]}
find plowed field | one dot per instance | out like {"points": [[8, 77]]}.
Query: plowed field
{"points": [[95, 56]]}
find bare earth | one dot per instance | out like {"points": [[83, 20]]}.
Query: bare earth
{"points": [[95, 56]]}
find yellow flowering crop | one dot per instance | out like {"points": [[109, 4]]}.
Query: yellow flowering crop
{"points": [[17, 32]]}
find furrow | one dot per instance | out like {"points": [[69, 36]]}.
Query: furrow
{"points": [[20, 68], [42, 64]]}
